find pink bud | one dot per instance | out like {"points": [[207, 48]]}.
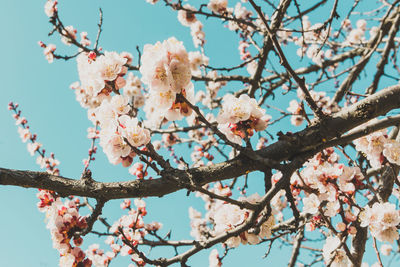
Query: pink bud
{"points": [[41, 44], [92, 55], [341, 226], [352, 230]]}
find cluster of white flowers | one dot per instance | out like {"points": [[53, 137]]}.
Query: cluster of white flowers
{"points": [[334, 254], [98, 257], [119, 131], [115, 114], [49, 52], [186, 17], [310, 41], [296, 109], [228, 216], [357, 35], [327, 177], [166, 70], [313, 33], [225, 216], [63, 220], [321, 99], [241, 13], [382, 219], [166, 66], [198, 225], [218, 6], [377, 147], [99, 76], [198, 35], [240, 116], [131, 227]]}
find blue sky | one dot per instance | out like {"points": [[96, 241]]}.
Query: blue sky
{"points": [[42, 90]]}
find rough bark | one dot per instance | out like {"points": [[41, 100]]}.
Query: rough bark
{"points": [[304, 143]]}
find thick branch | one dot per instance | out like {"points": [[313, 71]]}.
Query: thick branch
{"points": [[308, 141]]}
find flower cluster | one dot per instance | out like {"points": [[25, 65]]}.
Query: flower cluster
{"points": [[321, 99], [138, 170], [240, 13], [240, 116], [218, 6], [310, 41], [48, 51], [325, 180], [228, 216], [99, 76], [225, 216], [120, 133], [378, 148], [297, 110], [382, 219], [63, 222], [131, 229], [98, 257], [333, 253], [357, 35], [84, 39], [166, 70], [187, 17]]}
